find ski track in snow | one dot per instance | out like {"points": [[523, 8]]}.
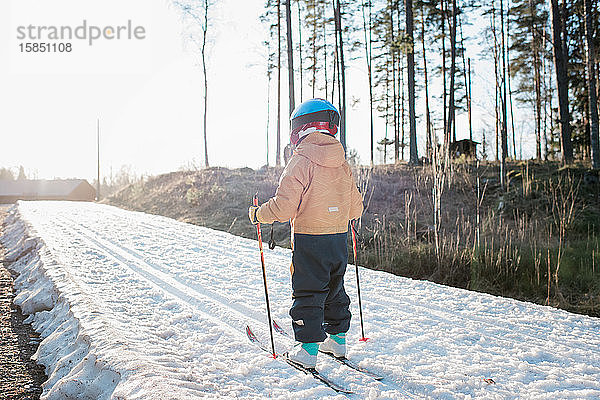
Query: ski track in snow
{"points": [[138, 306]]}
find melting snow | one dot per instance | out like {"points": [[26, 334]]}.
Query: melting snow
{"points": [[137, 306]]}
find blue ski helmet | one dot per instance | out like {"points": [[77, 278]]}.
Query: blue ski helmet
{"points": [[318, 114]]}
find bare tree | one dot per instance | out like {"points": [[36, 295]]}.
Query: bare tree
{"points": [[324, 25], [278, 152], [342, 70], [467, 78], [270, 67], [394, 101], [368, 52], [290, 51], [197, 12], [300, 70], [443, 11], [451, 97], [497, 78], [203, 52]]}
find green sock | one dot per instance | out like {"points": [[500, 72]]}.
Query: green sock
{"points": [[311, 348], [340, 338]]}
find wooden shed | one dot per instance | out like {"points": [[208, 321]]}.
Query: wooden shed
{"points": [[60, 189], [465, 147]]}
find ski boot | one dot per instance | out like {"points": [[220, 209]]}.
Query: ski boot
{"points": [[335, 344], [304, 354]]}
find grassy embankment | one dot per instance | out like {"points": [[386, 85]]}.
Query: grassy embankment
{"points": [[538, 240]]}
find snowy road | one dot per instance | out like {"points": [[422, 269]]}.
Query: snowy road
{"points": [[138, 306]]}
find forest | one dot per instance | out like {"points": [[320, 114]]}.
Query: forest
{"points": [[467, 209], [542, 55], [491, 190]]}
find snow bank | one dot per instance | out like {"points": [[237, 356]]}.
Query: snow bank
{"points": [[73, 370], [137, 306]]}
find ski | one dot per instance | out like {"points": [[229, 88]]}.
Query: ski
{"points": [[255, 340], [341, 360], [279, 329], [309, 371], [318, 376], [358, 368]]}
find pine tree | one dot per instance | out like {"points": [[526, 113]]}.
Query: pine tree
{"points": [[278, 145], [528, 27], [591, 84], [410, 60], [21, 176], [428, 140], [560, 66], [290, 52]]}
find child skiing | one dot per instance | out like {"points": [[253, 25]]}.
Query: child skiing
{"points": [[318, 194]]}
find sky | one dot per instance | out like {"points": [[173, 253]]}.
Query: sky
{"points": [[147, 94]]}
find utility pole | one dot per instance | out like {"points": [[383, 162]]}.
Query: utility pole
{"points": [[98, 159]]}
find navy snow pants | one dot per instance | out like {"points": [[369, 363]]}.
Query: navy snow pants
{"points": [[320, 301]]}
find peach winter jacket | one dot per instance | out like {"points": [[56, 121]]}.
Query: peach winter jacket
{"points": [[316, 190]]}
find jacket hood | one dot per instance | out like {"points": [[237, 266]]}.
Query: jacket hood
{"points": [[322, 149]]}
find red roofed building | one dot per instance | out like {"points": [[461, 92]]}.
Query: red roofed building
{"points": [[60, 189]]}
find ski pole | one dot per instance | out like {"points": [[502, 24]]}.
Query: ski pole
{"points": [[362, 327], [264, 274]]}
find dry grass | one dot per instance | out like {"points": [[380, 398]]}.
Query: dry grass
{"points": [[451, 223]]}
